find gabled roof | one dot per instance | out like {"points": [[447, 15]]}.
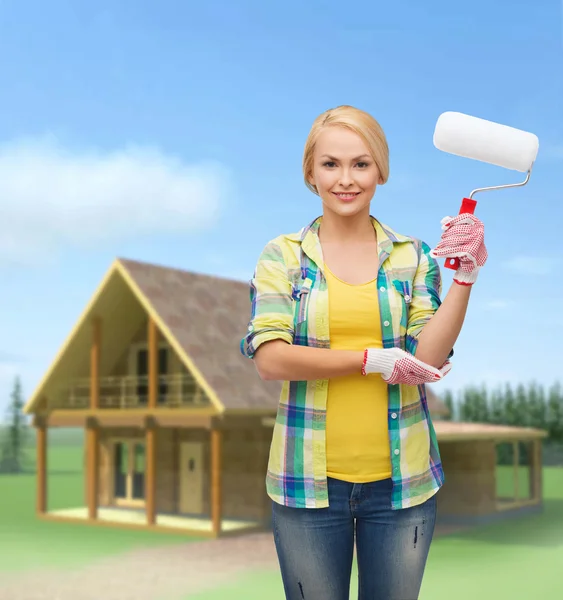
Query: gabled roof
{"points": [[203, 318]]}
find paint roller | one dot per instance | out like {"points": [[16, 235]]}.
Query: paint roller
{"points": [[485, 141]]}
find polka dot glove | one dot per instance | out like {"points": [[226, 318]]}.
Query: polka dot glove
{"points": [[398, 366], [463, 237]]}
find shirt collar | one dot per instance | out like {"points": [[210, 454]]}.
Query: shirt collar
{"points": [[386, 238]]}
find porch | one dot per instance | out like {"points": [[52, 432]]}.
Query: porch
{"points": [[137, 518], [205, 481]]}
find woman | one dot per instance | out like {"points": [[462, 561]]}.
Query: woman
{"points": [[339, 311]]}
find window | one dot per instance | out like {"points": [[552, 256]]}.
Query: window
{"points": [[142, 371]]}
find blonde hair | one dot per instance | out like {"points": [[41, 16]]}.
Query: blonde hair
{"points": [[359, 122]]}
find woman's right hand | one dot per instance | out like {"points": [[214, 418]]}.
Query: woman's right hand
{"points": [[397, 366]]}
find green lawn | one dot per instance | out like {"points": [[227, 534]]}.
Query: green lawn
{"points": [[27, 542], [519, 560]]}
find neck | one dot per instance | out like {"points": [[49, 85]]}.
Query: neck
{"points": [[357, 228]]}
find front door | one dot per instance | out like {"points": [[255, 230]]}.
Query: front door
{"points": [[191, 477]]}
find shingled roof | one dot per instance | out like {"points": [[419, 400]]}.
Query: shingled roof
{"points": [[208, 315]]}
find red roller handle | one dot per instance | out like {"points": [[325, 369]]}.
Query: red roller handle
{"points": [[467, 206]]}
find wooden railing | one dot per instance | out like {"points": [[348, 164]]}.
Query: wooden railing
{"points": [[132, 391]]}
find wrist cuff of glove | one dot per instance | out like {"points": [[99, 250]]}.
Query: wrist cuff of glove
{"points": [[464, 278], [377, 360]]}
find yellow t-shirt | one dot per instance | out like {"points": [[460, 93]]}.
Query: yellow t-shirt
{"points": [[357, 438]]}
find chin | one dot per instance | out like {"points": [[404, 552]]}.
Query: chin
{"points": [[348, 210]]}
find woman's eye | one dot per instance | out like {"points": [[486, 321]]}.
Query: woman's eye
{"points": [[331, 164]]}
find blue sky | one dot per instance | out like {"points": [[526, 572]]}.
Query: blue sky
{"points": [[173, 133]]}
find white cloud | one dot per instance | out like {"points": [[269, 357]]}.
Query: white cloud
{"points": [[530, 265], [52, 197]]}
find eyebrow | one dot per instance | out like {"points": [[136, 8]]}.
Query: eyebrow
{"points": [[357, 157]]}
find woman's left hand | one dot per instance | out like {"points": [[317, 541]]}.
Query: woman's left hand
{"points": [[463, 237]]}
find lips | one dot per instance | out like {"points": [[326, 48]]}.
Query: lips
{"points": [[346, 197]]}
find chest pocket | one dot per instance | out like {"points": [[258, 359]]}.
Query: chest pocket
{"points": [[301, 296], [403, 301]]}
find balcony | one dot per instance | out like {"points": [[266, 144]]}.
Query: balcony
{"points": [[132, 392]]}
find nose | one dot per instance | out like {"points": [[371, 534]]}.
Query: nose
{"points": [[346, 178]]}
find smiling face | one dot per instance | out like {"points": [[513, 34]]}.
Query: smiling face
{"points": [[344, 172]]}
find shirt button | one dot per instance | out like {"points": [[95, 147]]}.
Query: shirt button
{"points": [[386, 323], [397, 451], [382, 289], [393, 415], [407, 297]]}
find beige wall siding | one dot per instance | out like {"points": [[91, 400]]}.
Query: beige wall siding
{"points": [[166, 471], [244, 460], [470, 487]]}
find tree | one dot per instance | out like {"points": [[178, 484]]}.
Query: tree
{"points": [[11, 460], [536, 406], [449, 402], [510, 416], [496, 414], [468, 404], [521, 407], [554, 416], [482, 413]]}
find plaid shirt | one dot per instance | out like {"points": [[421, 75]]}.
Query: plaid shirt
{"points": [[289, 301]]}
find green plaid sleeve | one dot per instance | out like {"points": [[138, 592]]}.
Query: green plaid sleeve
{"points": [[271, 302], [427, 288]]}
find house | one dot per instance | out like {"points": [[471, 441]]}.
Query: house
{"points": [[477, 489], [178, 424]]}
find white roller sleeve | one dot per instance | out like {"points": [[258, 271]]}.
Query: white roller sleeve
{"points": [[486, 141]]}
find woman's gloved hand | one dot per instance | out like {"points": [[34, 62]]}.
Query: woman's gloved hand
{"points": [[463, 237], [398, 366]]}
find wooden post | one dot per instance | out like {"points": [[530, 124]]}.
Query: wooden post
{"points": [[41, 467], [150, 454], [216, 491], [92, 468], [150, 472], [536, 469], [95, 363], [153, 363], [516, 449]]}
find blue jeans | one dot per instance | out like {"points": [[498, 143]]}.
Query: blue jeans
{"points": [[315, 546]]}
